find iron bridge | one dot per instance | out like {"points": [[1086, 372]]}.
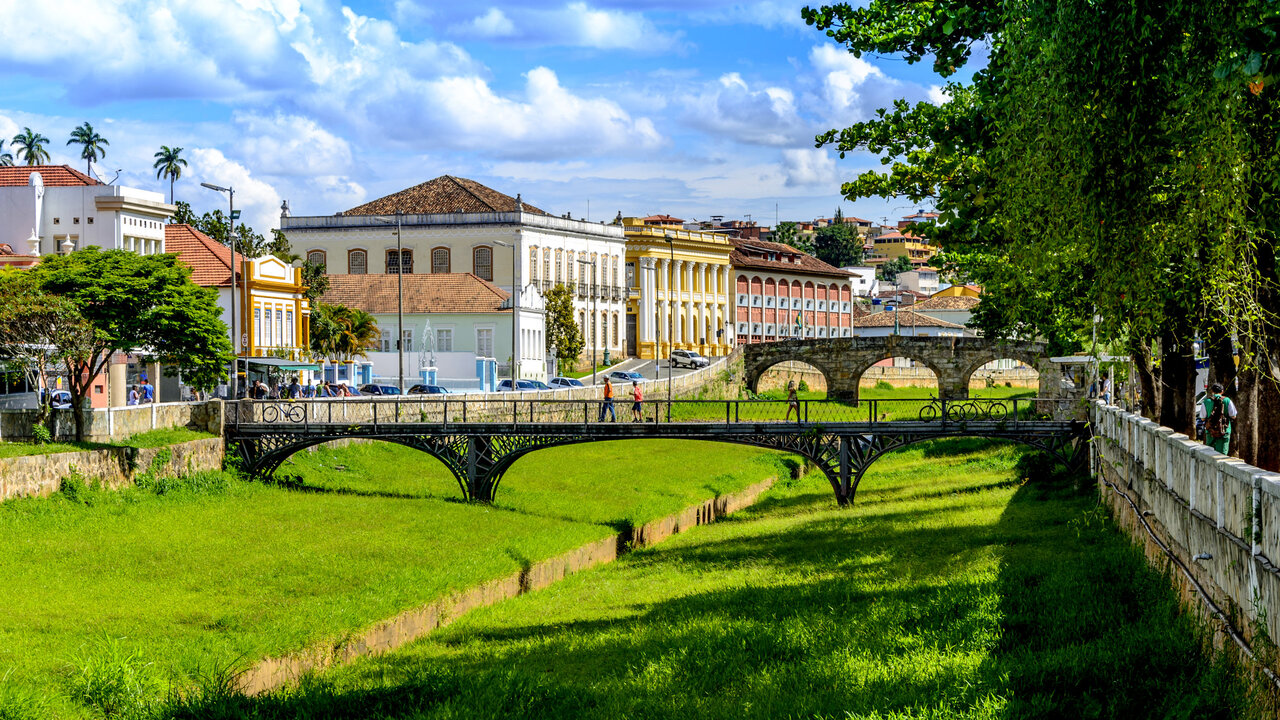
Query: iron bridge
{"points": [[479, 440]]}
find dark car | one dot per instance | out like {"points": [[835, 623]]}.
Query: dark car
{"points": [[428, 390], [376, 389], [625, 376], [558, 383]]}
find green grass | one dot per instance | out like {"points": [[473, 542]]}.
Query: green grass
{"points": [[213, 572], [150, 439], [966, 582]]}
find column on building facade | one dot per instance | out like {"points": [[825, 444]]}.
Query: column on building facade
{"points": [[726, 306], [644, 308], [663, 305]]}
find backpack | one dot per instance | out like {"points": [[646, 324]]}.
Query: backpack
{"points": [[1217, 424]]}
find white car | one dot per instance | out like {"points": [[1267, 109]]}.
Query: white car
{"points": [[688, 358]]}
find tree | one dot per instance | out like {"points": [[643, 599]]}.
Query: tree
{"points": [[135, 302], [214, 224], [838, 245], [890, 269], [564, 338], [37, 331], [340, 334], [169, 163], [31, 148], [6, 157], [93, 145]]}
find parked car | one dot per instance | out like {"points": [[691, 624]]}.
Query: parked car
{"points": [[688, 358], [558, 383], [61, 400], [505, 385], [376, 389], [625, 376], [428, 390]]}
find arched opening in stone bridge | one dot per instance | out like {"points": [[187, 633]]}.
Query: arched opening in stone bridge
{"points": [[899, 376], [811, 383], [1011, 374]]}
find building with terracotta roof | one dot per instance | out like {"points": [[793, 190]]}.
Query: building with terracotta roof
{"points": [[952, 308], [55, 208], [680, 290], [452, 225], [272, 314], [781, 292], [906, 322], [920, 216], [923, 279], [450, 321], [958, 290], [898, 244]]}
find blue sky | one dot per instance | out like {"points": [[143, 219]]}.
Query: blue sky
{"points": [[692, 108]]}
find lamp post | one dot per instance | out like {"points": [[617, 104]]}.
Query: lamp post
{"points": [[399, 295], [515, 306], [671, 311], [593, 317], [235, 337]]}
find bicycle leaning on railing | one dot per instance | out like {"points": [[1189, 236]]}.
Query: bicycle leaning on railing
{"points": [[283, 411], [964, 410]]}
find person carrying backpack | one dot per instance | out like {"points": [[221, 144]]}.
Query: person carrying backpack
{"points": [[1219, 411]]}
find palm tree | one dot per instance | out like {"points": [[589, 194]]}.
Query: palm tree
{"points": [[359, 334], [6, 157], [93, 145], [169, 163], [31, 146]]}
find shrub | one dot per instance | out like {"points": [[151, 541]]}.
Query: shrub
{"points": [[73, 487], [116, 682], [802, 386], [40, 434], [883, 385]]}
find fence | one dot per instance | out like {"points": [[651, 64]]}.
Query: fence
{"points": [[1219, 516], [107, 424]]}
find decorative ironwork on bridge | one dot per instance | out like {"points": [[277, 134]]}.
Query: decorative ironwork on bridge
{"points": [[479, 440]]}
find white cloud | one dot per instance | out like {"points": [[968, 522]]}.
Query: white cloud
{"points": [[493, 24], [259, 201], [844, 81], [938, 95], [577, 24], [291, 145], [809, 167], [730, 108]]}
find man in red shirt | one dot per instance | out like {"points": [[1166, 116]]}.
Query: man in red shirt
{"points": [[637, 397]]}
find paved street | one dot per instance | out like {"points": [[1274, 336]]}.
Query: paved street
{"points": [[647, 369]]}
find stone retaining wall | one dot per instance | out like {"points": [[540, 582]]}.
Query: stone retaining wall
{"points": [[410, 625], [108, 424], [41, 475], [1199, 502]]}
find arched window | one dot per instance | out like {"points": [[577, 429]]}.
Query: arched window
{"points": [[440, 260], [316, 257], [482, 262], [357, 262], [614, 342], [533, 264]]}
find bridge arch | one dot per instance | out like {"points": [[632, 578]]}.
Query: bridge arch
{"points": [[865, 365]]}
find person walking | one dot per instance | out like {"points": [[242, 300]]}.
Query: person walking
{"points": [[793, 401], [133, 395], [148, 392], [295, 389], [608, 402], [637, 397], [1219, 412]]}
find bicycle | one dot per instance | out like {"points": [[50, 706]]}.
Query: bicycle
{"points": [[283, 411]]}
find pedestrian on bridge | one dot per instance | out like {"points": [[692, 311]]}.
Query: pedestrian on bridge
{"points": [[637, 397], [793, 401], [1219, 413], [608, 402]]}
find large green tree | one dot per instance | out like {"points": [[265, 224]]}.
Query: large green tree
{"points": [[134, 303], [92, 145], [340, 333], [564, 337], [838, 245], [30, 146]]}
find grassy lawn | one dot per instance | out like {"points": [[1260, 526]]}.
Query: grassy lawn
{"points": [[149, 439], [965, 583], [216, 572]]}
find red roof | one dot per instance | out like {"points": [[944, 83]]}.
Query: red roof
{"points": [[443, 195], [897, 236], [746, 253], [423, 293], [663, 219], [52, 175], [210, 260]]}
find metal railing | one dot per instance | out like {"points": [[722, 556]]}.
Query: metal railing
{"points": [[434, 410]]}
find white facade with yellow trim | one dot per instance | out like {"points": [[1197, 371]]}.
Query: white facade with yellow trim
{"points": [[278, 314], [680, 289]]}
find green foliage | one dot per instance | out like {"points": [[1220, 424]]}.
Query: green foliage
{"points": [[92, 145], [340, 333], [317, 281], [40, 434], [31, 147], [802, 386], [6, 157], [889, 269], [564, 338], [838, 245], [169, 163], [74, 488], [116, 681], [883, 385]]}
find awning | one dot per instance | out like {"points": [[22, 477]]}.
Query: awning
{"points": [[279, 363], [1085, 359]]}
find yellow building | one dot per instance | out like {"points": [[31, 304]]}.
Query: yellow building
{"points": [[681, 290], [960, 291], [892, 245]]}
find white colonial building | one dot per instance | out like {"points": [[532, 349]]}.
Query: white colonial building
{"points": [[455, 225], [47, 209]]}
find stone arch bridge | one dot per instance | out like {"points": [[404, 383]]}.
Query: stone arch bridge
{"points": [[842, 361]]}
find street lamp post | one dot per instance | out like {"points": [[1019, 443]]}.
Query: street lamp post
{"points": [[593, 318], [671, 312], [399, 294], [515, 306], [235, 336]]}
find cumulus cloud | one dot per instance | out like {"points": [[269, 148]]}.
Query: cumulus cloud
{"points": [[577, 24], [849, 87], [759, 116], [808, 167], [938, 95], [258, 200], [291, 145]]}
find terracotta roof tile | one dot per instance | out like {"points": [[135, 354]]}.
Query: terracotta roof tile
{"points": [[427, 293], [809, 265], [948, 302], [445, 194], [52, 175], [905, 318], [667, 219], [210, 260]]}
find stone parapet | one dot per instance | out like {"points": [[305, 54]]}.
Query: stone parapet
{"points": [[42, 475], [110, 424]]}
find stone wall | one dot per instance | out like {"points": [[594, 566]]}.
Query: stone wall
{"points": [[41, 475], [108, 424], [1199, 503], [779, 375]]}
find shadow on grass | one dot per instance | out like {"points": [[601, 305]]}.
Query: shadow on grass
{"points": [[1046, 612]]}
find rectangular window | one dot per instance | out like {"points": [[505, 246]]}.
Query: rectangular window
{"points": [[279, 327], [404, 264], [290, 339], [440, 260], [357, 262], [407, 341], [444, 340], [484, 342], [385, 344], [257, 327], [546, 265]]}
